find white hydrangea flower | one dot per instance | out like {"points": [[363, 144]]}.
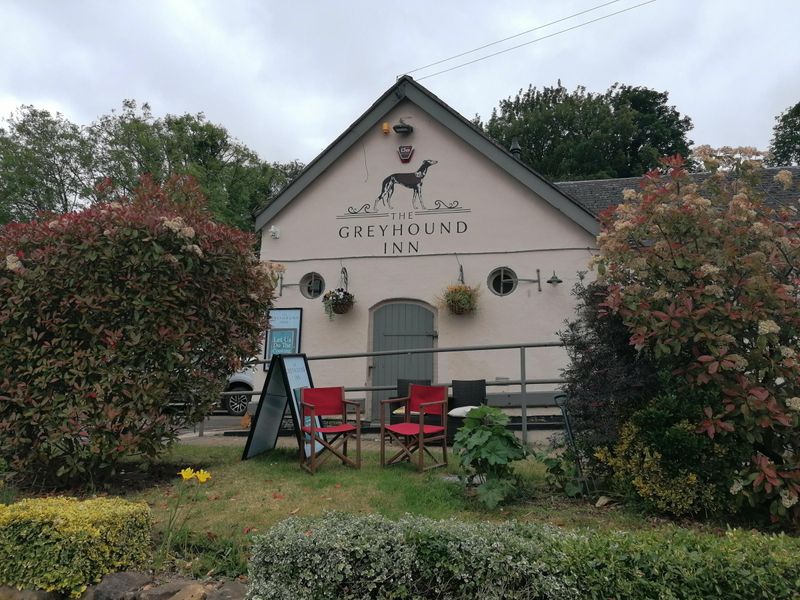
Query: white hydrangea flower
{"points": [[793, 404], [784, 177], [661, 294], [739, 362], [13, 263], [767, 327], [623, 225], [737, 487], [787, 352], [759, 228], [702, 202], [788, 499], [708, 269], [194, 248]]}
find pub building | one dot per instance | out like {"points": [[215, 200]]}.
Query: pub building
{"points": [[410, 199]]}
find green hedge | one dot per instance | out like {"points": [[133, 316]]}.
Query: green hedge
{"points": [[354, 557], [341, 556], [63, 544]]}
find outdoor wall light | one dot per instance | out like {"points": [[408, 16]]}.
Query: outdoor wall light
{"points": [[554, 280], [403, 128], [385, 128], [274, 232]]}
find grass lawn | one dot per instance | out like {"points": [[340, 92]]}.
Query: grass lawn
{"points": [[243, 498]]}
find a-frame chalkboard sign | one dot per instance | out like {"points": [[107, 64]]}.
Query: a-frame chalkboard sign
{"points": [[287, 374]]}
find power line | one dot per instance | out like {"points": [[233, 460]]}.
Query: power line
{"points": [[536, 40], [511, 37]]}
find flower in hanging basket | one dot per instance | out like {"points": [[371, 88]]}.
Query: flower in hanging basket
{"points": [[460, 299], [337, 301]]}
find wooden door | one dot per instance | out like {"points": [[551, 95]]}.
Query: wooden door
{"points": [[401, 326]]}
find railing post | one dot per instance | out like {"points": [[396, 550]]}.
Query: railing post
{"points": [[524, 392]]}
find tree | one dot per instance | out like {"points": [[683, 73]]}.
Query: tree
{"points": [[49, 164], [580, 135], [120, 324], [45, 165], [705, 278], [784, 149], [235, 180]]}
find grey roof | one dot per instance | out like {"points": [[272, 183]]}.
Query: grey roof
{"points": [[407, 88], [599, 194]]}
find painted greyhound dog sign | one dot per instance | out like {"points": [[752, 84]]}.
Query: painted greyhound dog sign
{"points": [[402, 235], [409, 180], [412, 181]]}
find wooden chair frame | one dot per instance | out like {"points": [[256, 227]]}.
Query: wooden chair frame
{"points": [[416, 442], [337, 445]]}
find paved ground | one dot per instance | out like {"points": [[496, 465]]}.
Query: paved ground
{"points": [[220, 422]]}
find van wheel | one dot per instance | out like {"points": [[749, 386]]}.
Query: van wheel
{"points": [[236, 406]]}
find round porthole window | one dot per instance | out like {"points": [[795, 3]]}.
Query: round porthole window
{"points": [[502, 281], [312, 285]]}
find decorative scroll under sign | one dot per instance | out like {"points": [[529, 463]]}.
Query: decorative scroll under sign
{"points": [[401, 230]]}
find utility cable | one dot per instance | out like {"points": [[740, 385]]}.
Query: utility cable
{"points": [[511, 37], [536, 40]]}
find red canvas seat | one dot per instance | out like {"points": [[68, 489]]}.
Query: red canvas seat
{"points": [[326, 402], [413, 429], [413, 434]]}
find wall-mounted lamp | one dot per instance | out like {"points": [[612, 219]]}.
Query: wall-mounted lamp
{"points": [[403, 128], [274, 232], [554, 280], [385, 128]]}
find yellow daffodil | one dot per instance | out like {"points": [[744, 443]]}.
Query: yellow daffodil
{"points": [[187, 473], [202, 475]]}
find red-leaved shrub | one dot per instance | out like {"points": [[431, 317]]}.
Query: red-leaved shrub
{"points": [[110, 315], [705, 278]]}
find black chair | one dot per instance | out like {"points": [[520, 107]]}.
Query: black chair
{"points": [[469, 392]]}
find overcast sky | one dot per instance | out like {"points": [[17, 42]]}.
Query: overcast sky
{"points": [[288, 77]]}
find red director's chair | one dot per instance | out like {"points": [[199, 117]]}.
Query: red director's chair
{"points": [[413, 436], [325, 402]]}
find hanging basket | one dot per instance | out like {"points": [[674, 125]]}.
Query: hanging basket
{"points": [[343, 308], [458, 309], [337, 302], [460, 299]]}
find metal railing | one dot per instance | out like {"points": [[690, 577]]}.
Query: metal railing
{"points": [[523, 401]]}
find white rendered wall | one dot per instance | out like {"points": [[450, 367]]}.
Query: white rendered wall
{"points": [[506, 226]]}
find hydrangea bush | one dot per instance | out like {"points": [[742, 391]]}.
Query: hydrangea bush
{"points": [[120, 324], [706, 281]]}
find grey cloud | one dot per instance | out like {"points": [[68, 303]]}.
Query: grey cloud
{"points": [[287, 77]]}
